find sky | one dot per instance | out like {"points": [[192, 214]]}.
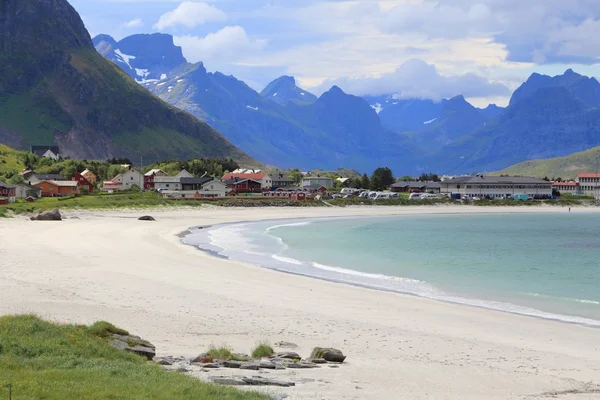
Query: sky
{"points": [[482, 49]]}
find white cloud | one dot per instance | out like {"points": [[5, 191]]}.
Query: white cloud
{"points": [[228, 45], [134, 23], [190, 14]]}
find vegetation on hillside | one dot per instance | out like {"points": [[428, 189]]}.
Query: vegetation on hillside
{"points": [[42, 360], [563, 167]]}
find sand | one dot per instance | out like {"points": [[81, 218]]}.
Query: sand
{"points": [[109, 266]]}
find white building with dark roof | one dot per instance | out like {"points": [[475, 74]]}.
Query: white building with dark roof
{"points": [[496, 186]]}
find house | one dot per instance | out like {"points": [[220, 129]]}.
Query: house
{"points": [[89, 175], [170, 182], [320, 189], [281, 181], [416, 187], [241, 185], [589, 183], [496, 186], [25, 191], [58, 188], [157, 172], [52, 152], [571, 187], [33, 178], [125, 181], [8, 192], [344, 181], [311, 181], [82, 182], [266, 182], [149, 183], [205, 188]]}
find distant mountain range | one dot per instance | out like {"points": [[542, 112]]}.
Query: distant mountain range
{"points": [[55, 89]]}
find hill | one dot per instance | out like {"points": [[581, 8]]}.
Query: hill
{"points": [[56, 89], [564, 167]]}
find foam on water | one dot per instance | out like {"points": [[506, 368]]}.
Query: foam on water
{"points": [[258, 244]]}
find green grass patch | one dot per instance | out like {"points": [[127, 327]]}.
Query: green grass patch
{"points": [[43, 360], [220, 353], [104, 329], [263, 349]]}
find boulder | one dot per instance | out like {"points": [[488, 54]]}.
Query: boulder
{"points": [[228, 381], [328, 354], [53, 215], [301, 365], [260, 381], [146, 218], [290, 355], [317, 360], [232, 364], [134, 344], [267, 365], [202, 359], [250, 366]]}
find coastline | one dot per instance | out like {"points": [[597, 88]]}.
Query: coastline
{"points": [[108, 265]]}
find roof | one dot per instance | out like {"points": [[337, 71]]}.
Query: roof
{"points": [[588, 175], [494, 180], [565, 184], [343, 180], [234, 181], [6, 185], [49, 177], [281, 178], [86, 171], [306, 178], [155, 171], [417, 184], [60, 183], [316, 187], [196, 181], [254, 176], [41, 150]]}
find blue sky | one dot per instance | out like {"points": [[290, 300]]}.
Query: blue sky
{"points": [[483, 49]]}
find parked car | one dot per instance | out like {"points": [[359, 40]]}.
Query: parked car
{"points": [[380, 196], [414, 196]]}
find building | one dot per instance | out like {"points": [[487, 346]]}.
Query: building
{"points": [[240, 185], [345, 182], [89, 175], [589, 184], [570, 187], [266, 182], [156, 172], [25, 191], [125, 181], [33, 178], [170, 182], [311, 181], [496, 186], [8, 192], [58, 188], [281, 181], [52, 152], [82, 182], [206, 188], [415, 187]]}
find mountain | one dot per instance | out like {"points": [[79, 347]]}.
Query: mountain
{"points": [[56, 89], [405, 115], [283, 90], [564, 167]]}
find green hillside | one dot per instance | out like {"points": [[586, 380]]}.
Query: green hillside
{"points": [[8, 160], [563, 167]]}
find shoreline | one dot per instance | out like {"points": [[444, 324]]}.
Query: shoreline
{"points": [[526, 311], [140, 276]]}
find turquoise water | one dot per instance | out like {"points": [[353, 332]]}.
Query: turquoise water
{"points": [[545, 265]]}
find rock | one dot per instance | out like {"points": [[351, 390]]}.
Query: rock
{"points": [[251, 366], [260, 381], [134, 344], [290, 355], [286, 345], [278, 366], [202, 359], [317, 360], [327, 354], [228, 381], [301, 365], [53, 215], [168, 360], [232, 364], [211, 365], [267, 365], [146, 218]]}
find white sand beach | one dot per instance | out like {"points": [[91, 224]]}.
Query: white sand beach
{"points": [[136, 274]]}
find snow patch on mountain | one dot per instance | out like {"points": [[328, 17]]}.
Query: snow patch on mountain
{"points": [[163, 77], [429, 122], [142, 72], [125, 58], [252, 108], [377, 107]]}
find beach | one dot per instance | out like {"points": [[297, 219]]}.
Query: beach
{"points": [[139, 276]]}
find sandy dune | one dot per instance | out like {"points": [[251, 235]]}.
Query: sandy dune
{"points": [[108, 265]]}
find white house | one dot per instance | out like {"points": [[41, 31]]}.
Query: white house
{"points": [[496, 186], [50, 154], [198, 188], [314, 181], [125, 181], [162, 182]]}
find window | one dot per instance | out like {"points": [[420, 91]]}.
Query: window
{"points": [[132, 178]]}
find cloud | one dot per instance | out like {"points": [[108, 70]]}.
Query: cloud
{"points": [[134, 23], [416, 78], [190, 14], [230, 44]]}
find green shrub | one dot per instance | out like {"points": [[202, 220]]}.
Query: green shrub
{"points": [[105, 329], [222, 353], [263, 349]]}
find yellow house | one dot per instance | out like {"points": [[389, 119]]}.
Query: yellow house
{"points": [[89, 175]]}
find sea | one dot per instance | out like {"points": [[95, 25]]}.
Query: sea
{"points": [[539, 265]]}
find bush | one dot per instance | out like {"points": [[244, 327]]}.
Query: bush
{"points": [[262, 350], [105, 329], [222, 353]]}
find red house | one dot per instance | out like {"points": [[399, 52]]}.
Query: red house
{"points": [[244, 185], [149, 182], [83, 182], [9, 192]]}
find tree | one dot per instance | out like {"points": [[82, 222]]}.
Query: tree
{"points": [[382, 178], [296, 176], [405, 178], [365, 183], [429, 177]]}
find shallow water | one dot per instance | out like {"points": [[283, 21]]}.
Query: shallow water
{"points": [[545, 265]]}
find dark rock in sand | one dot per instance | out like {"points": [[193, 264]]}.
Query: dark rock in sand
{"points": [[260, 381], [134, 344], [301, 365], [317, 360], [251, 366], [146, 218], [53, 215], [286, 345], [267, 365], [202, 359], [211, 365], [168, 360], [228, 381], [232, 364], [327, 354], [290, 355]]}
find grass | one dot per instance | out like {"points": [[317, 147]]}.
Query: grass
{"points": [[43, 360], [263, 349], [8, 160], [104, 329]]}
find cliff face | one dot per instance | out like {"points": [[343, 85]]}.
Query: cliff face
{"points": [[55, 88]]}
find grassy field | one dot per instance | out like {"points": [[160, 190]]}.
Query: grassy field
{"points": [[42, 360], [8, 160]]}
